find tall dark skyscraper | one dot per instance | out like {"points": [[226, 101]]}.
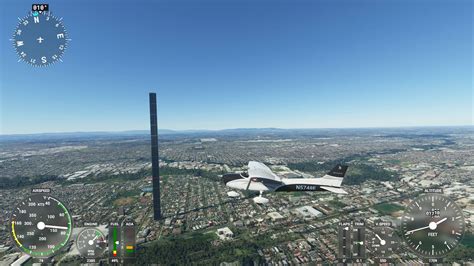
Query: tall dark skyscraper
{"points": [[155, 167]]}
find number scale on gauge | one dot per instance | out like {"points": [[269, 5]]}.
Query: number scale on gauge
{"points": [[382, 241], [91, 243], [40, 225], [40, 39], [432, 225]]}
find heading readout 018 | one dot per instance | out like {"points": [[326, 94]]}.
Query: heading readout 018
{"points": [[40, 7]]}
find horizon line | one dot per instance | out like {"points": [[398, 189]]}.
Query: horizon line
{"points": [[223, 129]]}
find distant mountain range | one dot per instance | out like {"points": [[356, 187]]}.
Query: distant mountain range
{"points": [[240, 131], [141, 132]]}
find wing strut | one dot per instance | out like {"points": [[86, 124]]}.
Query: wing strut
{"points": [[248, 185]]}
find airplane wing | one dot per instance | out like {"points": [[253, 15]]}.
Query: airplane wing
{"points": [[260, 178], [259, 170], [335, 190], [247, 184]]}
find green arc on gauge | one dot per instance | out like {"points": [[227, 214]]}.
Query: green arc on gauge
{"points": [[25, 222]]}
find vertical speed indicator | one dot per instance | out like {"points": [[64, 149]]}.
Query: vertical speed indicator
{"points": [[40, 225]]}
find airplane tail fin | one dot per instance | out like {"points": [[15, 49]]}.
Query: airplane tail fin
{"points": [[336, 175], [338, 171]]}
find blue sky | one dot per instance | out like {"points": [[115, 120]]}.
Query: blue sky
{"points": [[230, 64]]}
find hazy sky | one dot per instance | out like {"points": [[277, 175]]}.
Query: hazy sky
{"points": [[256, 63]]}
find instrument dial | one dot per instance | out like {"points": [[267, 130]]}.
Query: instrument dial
{"points": [[432, 225], [382, 241], [40, 39], [91, 243], [40, 225]]}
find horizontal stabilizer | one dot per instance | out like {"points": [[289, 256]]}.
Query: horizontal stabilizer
{"points": [[335, 190]]}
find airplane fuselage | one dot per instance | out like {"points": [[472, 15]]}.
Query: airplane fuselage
{"points": [[261, 178]]}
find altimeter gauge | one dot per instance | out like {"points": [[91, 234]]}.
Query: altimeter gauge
{"points": [[432, 225], [40, 39], [40, 225], [91, 243]]}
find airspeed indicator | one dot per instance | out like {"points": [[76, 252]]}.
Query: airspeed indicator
{"points": [[40, 225]]}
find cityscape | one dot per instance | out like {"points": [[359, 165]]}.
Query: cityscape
{"points": [[104, 177], [290, 132]]}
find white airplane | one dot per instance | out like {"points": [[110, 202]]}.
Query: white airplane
{"points": [[261, 178]]}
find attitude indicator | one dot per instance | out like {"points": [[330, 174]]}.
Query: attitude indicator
{"points": [[41, 225]]}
